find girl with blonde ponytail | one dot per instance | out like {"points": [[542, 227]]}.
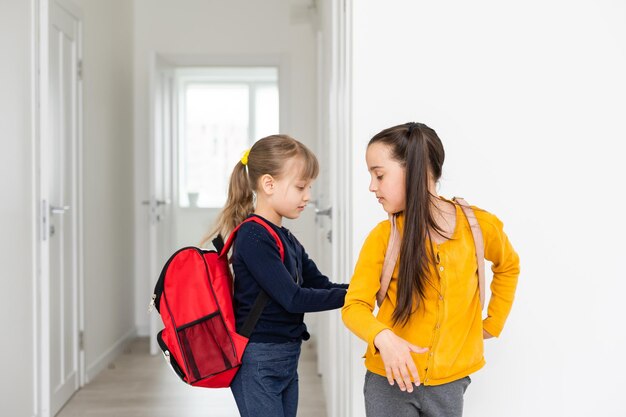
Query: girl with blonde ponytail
{"points": [[272, 181]]}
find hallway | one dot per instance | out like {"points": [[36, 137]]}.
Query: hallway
{"points": [[106, 171], [137, 384]]}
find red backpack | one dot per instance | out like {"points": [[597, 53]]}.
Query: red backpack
{"points": [[194, 296]]}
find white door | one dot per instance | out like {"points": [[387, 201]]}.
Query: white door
{"points": [[60, 177], [161, 183]]}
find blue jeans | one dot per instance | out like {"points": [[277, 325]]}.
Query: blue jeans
{"points": [[267, 382]]}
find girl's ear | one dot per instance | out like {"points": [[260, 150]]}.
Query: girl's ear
{"points": [[267, 184]]}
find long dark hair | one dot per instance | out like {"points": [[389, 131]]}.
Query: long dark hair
{"points": [[420, 151], [267, 156]]}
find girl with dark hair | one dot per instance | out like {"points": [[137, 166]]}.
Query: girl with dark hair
{"points": [[272, 181], [427, 336]]}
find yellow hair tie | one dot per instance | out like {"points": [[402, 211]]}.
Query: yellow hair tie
{"points": [[244, 158]]}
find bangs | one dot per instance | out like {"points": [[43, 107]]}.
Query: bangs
{"points": [[309, 167]]}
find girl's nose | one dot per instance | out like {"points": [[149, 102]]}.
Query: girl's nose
{"points": [[372, 186]]}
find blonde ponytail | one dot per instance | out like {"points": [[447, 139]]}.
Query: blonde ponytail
{"points": [[239, 204]]}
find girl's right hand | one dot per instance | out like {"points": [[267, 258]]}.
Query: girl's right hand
{"points": [[396, 355]]}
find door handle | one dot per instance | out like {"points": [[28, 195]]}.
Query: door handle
{"points": [[158, 202], [326, 212], [59, 209]]}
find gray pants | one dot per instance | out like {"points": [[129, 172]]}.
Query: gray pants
{"points": [[384, 400]]}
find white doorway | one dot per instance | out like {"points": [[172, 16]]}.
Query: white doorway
{"points": [[202, 118], [193, 150], [61, 360]]}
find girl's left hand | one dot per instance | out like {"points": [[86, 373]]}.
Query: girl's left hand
{"points": [[396, 355], [486, 334]]}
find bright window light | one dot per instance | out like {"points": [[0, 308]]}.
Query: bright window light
{"points": [[221, 113]]}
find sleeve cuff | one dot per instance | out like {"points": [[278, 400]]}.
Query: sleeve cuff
{"points": [[491, 327], [372, 335]]}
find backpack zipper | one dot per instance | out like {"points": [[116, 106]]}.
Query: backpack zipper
{"points": [[151, 305]]}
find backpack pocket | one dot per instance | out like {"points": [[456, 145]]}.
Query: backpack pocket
{"points": [[207, 347]]}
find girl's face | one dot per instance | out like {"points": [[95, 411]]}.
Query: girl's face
{"points": [[291, 193], [387, 177]]}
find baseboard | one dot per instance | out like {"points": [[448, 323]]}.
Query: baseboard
{"points": [[109, 356]]}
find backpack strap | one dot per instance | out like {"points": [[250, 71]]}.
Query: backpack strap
{"points": [[479, 244], [255, 219], [391, 256], [262, 298], [393, 251]]}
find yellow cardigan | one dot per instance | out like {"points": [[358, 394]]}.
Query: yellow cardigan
{"points": [[449, 321]]}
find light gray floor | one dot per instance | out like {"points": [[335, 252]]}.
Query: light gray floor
{"points": [[138, 384]]}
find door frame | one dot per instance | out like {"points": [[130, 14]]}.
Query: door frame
{"points": [[336, 347], [40, 85], [162, 129]]}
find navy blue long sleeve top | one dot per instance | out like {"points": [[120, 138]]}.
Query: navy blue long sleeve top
{"points": [[294, 287]]}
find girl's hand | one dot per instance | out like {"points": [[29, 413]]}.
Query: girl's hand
{"points": [[396, 355], [486, 334]]}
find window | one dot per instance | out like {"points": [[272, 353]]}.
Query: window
{"points": [[222, 111]]}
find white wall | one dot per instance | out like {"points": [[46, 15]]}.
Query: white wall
{"points": [[16, 211], [529, 100], [107, 193], [237, 31], [108, 179]]}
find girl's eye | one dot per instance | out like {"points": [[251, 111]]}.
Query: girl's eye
{"points": [[379, 177], [300, 188]]}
